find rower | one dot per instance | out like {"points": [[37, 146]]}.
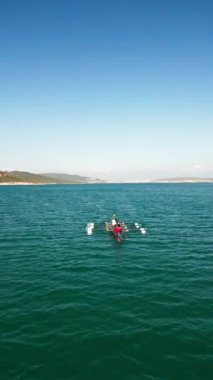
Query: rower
{"points": [[114, 220], [118, 229]]}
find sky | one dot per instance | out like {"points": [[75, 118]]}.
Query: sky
{"points": [[115, 89]]}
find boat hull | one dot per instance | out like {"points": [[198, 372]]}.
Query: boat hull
{"points": [[110, 228], [118, 237]]}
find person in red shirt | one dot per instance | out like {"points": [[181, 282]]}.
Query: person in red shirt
{"points": [[118, 229]]}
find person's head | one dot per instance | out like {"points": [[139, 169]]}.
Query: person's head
{"points": [[119, 225]]}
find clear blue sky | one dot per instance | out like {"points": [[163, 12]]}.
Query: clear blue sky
{"points": [[109, 88]]}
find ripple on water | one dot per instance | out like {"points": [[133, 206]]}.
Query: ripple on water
{"points": [[81, 307]]}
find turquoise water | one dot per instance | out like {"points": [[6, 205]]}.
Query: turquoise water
{"points": [[83, 307]]}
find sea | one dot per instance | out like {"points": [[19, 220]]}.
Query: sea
{"points": [[80, 307]]}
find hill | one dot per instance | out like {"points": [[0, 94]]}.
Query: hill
{"points": [[22, 176], [67, 177], [48, 178]]}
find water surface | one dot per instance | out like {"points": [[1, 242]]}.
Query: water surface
{"points": [[83, 307]]}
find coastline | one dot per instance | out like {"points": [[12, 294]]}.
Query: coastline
{"points": [[105, 183], [24, 183]]}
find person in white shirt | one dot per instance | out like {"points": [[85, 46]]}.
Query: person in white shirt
{"points": [[114, 220]]}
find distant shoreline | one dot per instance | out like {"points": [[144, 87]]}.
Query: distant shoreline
{"points": [[19, 178], [106, 183], [24, 183]]}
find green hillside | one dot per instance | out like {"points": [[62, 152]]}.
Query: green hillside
{"points": [[67, 177], [22, 176], [6, 177]]}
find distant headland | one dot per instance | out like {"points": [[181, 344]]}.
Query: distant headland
{"points": [[27, 178]]}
